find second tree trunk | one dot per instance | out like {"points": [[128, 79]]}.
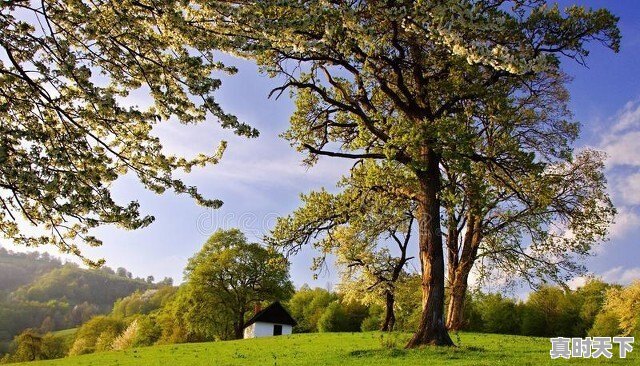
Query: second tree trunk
{"points": [[432, 330]]}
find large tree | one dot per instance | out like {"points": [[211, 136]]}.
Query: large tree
{"points": [[226, 279], [390, 80], [367, 230], [68, 129], [540, 232], [536, 208]]}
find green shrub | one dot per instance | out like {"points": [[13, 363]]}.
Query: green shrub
{"points": [[371, 323], [127, 338], [105, 340], [81, 346], [96, 335], [374, 320], [54, 346], [307, 306], [605, 325], [334, 319], [30, 345], [149, 331], [27, 346]]}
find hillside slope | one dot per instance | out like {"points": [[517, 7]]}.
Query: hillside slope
{"points": [[19, 269], [39, 291], [343, 349], [75, 286]]}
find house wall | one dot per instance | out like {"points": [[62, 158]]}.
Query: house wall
{"points": [[261, 329], [287, 329]]}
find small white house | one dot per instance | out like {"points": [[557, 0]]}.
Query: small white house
{"points": [[273, 320]]}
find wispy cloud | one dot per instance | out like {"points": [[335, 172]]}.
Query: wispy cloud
{"points": [[621, 275], [628, 189], [628, 117], [626, 221], [622, 142], [577, 281], [622, 145], [615, 262]]}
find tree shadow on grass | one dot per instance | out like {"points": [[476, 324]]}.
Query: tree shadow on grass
{"points": [[378, 353], [440, 352]]}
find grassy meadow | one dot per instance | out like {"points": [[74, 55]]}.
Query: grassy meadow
{"points": [[371, 348]]}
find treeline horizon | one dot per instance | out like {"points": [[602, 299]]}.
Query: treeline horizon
{"points": [[144, 318], [159, 315]]}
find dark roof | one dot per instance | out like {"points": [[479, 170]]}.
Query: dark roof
{"points": [[274, 313]]}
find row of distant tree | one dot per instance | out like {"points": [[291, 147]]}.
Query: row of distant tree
{"points": [[595, 309], [18, 269], [149, 317], [230, 275]]}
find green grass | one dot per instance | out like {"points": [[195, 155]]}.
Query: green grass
{"points": [[65, 332], [67, 335], [343, 349]]}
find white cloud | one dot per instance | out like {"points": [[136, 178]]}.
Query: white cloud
{"points": [[626, 220], [628, 189], [623, 149], [283, 170], [577, 281], [621, 275], [266, 160], [622, 144], [628, 117]]}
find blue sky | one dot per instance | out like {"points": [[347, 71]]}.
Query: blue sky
{"points": [[261, 179]]}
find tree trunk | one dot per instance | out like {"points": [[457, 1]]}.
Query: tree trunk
{"points": [[390, 316], [238, 326], [452, 255], [455, 311], [432, 329], [460, 281], [238, 332]]}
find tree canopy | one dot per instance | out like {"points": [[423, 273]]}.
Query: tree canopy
{"points": [[68, 126], [226, 278], [356, 227]]}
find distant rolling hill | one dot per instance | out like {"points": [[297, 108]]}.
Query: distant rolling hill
{"points": [[75, 286], [39, 291], [19, 269]]}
